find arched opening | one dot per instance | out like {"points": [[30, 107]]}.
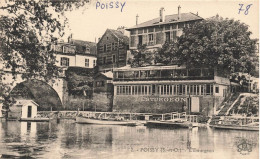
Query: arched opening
{"points": [[39, 91]]}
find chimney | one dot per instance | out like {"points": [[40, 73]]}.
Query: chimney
{"points": [[179, 12], [121, 29], [70, 38], [197, 13], [161, 15], [137, 19]]}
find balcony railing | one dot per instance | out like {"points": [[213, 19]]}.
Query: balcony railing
{"points": [[165, 78]]}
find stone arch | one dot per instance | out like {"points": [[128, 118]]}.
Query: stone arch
{"points": [[39, 91]]}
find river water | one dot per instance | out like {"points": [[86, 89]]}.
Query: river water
{"points": [[67, 139]]}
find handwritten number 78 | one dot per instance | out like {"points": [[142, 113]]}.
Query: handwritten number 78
{"points": [[245, 10]]}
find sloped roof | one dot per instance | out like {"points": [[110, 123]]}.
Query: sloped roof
{"points": [[120, 35], [25, 101], [108, 74], [80, 43], [168, 19]]}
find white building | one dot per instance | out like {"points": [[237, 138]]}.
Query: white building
{"points": [[75, 53], [23, 109]]}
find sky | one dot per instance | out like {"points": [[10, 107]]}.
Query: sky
{"points": [[90, 22]]}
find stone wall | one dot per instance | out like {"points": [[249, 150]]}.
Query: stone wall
{"points": [[165, 104], [153, 104]]}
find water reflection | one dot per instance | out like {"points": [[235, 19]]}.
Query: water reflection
{"points": [[69, 140]]}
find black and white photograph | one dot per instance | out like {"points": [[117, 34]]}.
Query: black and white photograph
{"points": [[129, 79]]}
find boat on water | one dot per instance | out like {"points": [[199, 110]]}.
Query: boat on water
{"points": [[36, 119], [238, 123], [177, 120], [234, 127], [170, 124], [86, 120]]}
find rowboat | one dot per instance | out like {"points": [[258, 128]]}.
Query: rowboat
{"points": [[85, 120]]}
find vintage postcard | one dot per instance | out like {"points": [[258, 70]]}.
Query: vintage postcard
{"points": [[113, 79]]}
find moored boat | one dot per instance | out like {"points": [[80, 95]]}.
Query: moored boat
{"points": [[85, 120], [236, 127], [169, 124], [35, 119], [237, 123]]}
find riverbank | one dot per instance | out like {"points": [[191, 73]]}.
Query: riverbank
{"points": [[201, 121]]}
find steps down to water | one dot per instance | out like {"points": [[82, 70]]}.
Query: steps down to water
{"points": [[228, 103]]}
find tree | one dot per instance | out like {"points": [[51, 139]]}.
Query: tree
{"points": [[167, 54], [141, 57], [211, 43], [27, 29]]}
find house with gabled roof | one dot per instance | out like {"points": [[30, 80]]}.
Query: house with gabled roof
{"points": [[112, 49], [103, 91], [75, 53], [154, 33]]}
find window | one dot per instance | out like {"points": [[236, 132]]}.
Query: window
{"points": [[150, 30], [217, 89], [167, 36], [86, 62], [167, 27], [64, 61], [113, 46], [105, 48], [114, 58], [100, 83], [150, 38], [133, 90], [153, 89], [94, 63], [174, 26], [209, 89], [104, 60], [140, 40], [140, 31]]}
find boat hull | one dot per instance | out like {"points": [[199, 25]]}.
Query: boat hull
{"points": [[36, 119], [168, 124], [231, 127], [82, 120]]}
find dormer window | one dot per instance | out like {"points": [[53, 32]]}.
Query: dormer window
{"points": [[84, 48]]}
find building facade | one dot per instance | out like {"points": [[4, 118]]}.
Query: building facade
{"points": [[154, 33], [23, 109], [164, 89], [112, 49], [103, 91], [75, 53]]}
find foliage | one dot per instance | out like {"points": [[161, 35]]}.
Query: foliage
{"points": [[249, 106], [80, 80], [167, 54], [141, 57], [220, 42], [27, 28]]}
